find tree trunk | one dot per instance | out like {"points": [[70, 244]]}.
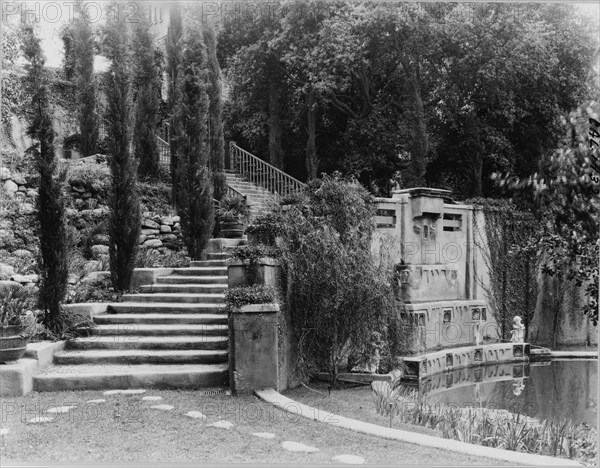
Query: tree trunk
{"points": [[419, 131], [311, 148], [275, 127]]}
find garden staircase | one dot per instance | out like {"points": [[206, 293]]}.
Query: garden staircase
{"points": [[173, 334]]}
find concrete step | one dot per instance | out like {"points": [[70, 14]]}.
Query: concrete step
{"points": [[201, 271], [218, 256], [164, 308], [184, 288], [184, 279], [105, 377], [156, 319], [188, 298], [140, 356], [133, 330], [208, 263], [149, 342]]}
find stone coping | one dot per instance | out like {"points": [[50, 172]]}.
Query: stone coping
{"points": [[91, 308], [257, 309], [261, 261], [574, 354], [275, 398]]}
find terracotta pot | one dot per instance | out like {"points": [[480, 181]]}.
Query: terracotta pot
{"points": [[232, 229], [13, 343]]}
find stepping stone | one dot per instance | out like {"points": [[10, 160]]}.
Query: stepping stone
{"points": [[349, 459], [60, 409], [40, 419], [298, 447], [196, 415], [132, 392], [163, 407], [152, 398], [3, 431], [222, 424], [112, 392], [96, 401], [264, 435]]}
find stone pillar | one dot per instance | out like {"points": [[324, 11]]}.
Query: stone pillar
{"points": [[253, 348]]}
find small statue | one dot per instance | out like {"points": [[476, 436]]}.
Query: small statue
{"points": [[518, 331]]}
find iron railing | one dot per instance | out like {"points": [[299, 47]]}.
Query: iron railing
{"points": [[262, 173]]}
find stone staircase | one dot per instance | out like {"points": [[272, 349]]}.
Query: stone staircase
{"points": [[257, 197], [173, 334]]}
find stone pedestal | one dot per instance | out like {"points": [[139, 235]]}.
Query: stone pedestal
{"points": [[253, 359]]}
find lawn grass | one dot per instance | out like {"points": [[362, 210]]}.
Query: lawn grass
{"points": [[93, 433]]}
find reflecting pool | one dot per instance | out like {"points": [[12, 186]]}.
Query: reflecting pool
{"points": [[557, 389]]}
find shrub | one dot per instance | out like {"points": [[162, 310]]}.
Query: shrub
{"points": [[337, 294], [247, 295], [266, 228], [252, 254], [232, 208]]}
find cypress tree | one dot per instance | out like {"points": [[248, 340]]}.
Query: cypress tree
{"points": [[51, 210], [125, 212], [173, 46], [194, 187], [147, 100], [215, 112], [85, 85]]}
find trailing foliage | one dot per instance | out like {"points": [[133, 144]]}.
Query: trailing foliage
{"points": [[337, 294], [511, 261], [125, 212], [247, 295], [147, 100], [51, 211], [251, 254]]}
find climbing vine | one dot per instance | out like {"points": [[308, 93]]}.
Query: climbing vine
{"points": [[511, 260]]}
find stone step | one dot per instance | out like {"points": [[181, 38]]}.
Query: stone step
{"points": [[164, 308], [130, 331], [218, 256], [201, 271], [184, 279], [188, 298], [149, 342], [156, 319], [208, 263], [140, 356], [105, 377], [184, 288]]}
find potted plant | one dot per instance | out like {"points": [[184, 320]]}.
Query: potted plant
{"points": [[232, 209], [17, 323]]}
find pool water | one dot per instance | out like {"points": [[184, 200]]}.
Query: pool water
{"points": [[557, 389]]}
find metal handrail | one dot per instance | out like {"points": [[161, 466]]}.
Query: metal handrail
{"points": [[262, 173]]}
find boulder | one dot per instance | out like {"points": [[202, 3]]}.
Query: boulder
{"points": [[24, 279], [6, 271], [168, 220], [150, 232], [5, 173], [73, 278], [153, 243], [176, 227], [169, 237], [143, 238], [22, 253], [32, 193], [149, 224], [98, 250], [23, 189], [165, 229], [18, 179], [10, 187]]}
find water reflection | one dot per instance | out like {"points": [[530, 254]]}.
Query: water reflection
{"points": [[557, 389]]}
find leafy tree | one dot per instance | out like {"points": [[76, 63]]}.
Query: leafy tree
{"points": [[174, 44], [84, 50], [194, 184], [125, 212], [51, 210], [147, 99], [563, 196]]}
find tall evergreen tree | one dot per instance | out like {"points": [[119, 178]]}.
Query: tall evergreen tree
{"points": [[194, 189], [85, 85], [125, 212], [51, 211], [216, 140], [173, 46], [147, 100]]}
